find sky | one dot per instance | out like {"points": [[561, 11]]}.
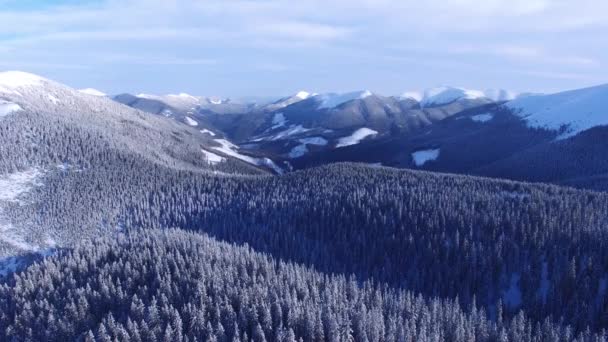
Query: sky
{"points": [[278, 47]]}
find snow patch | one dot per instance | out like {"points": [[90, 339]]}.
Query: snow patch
{"points": [[278, 120], [7, 108], [422, 157], [12, 185], [93, 92], [230, 149], [575, 110], [329, 101], [446, 95], [298, 151], [206, 131], [482, 117], [290, 131], [303, 95], [191, 122], [213, 158], [314, 141], [356, 137]]}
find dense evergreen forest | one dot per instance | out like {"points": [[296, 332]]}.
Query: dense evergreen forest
{"points": [[175, 286]]}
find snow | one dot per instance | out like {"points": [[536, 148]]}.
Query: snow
{"points": [[191, 122], [413, 95], [445, 95], [329, 101], [230, 149], [314, 141], [290, 131], [278, 120], [303, 95], [215, 101], [482, 117], [356, 137], [12, 185], [206, 131], [298, 151], [302, 149], [93, 92], [184, 96], [11, 80], [512, 295], [575, 110], [53, 99], [7, 108], [424, 156], [213, 158]]}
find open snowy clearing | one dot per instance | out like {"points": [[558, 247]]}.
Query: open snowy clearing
{"points": [[356, 137], [422, 157]]}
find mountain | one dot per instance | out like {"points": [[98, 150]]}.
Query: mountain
{"points": [[133, 225], [446, 94]]}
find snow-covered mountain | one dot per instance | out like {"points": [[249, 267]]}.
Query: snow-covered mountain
{"points": [[446, 94], [570, 112]]}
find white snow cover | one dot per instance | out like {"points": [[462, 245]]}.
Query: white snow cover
{"points": [[11, 80], [184, 96], [298, 151], [482, 117], [14, 184], [91, 91], [230, 149], [329, 101], [578, 110], [303, 94], [191, 122], [12, 187], [7, 108], [314, 141], [52, 98], [290, 131], [278, 120], [302, 149], [422, 157], [213, 158], [445, 94], [414, 95], [356, 137], [206, 131]]}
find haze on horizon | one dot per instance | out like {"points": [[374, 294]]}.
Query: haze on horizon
{"points": [[277, 47]]}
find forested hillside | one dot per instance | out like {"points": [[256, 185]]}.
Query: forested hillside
{"points": [[175, 286]]}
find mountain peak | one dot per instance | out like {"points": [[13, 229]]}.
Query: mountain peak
{"points": [[10, 80], [329, 101]]}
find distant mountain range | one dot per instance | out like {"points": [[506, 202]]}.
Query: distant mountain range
{"points": [[445, 129]]}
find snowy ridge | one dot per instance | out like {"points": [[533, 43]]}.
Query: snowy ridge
{"points": [[328, 101], [575, 110], [445, 95], [11, 81], [92, 91]]}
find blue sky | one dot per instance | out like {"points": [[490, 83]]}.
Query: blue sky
{"points": [[277, 47]]}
